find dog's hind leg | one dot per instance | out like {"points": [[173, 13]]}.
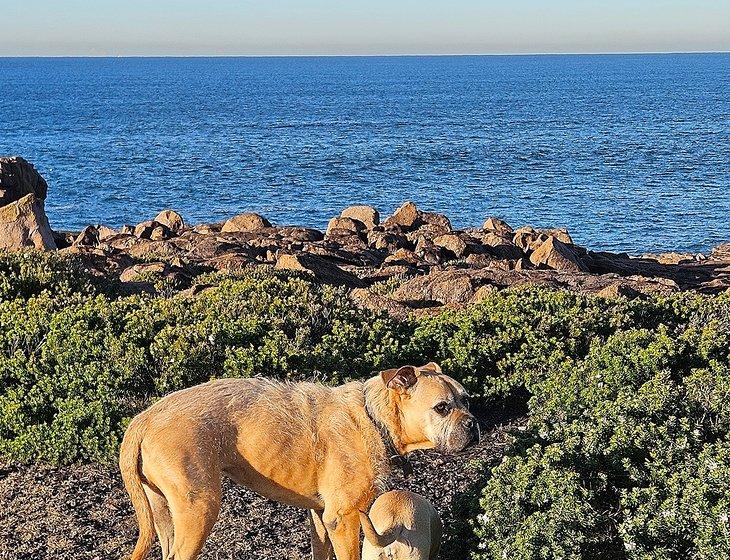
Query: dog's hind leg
{"points": [[321, 545], [193, 516], [344, 532], [163, 519]]}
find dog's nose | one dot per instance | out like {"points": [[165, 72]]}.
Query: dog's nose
{"points": [[472, 425]]}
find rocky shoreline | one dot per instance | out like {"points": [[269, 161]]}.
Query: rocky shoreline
{"points": [[413, 260]]}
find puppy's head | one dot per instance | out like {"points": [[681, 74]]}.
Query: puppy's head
{"points": [[433, 409]]}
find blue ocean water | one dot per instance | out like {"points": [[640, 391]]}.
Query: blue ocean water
{"points": [[630, 152]]}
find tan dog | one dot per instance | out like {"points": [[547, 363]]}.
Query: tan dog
{"points": [[401, 526], [322, 448]]}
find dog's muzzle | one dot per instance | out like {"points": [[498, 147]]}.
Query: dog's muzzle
{"points": [[472, 426], [465, 434]]}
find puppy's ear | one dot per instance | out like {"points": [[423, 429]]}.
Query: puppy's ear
{"points": [[400, 379], [433, 366]]}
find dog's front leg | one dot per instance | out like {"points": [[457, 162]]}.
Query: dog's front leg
{"points": [[321, 544], [344, 532]]}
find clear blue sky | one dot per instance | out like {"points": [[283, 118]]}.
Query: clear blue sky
{"points": [[278, 27]]}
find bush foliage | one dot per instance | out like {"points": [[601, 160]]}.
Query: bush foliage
{"points": [[625, 453]]}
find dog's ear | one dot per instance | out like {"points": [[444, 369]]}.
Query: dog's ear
{"points": [[432, 366], [400, 379]]}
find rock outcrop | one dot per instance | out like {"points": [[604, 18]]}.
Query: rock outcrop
{"points": [[19, 178], [424, 261], [23, 221]]}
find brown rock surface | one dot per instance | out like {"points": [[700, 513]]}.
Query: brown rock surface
{"points": [[89, 237], [441, 287], [557, 255], [362, 213], [344, 224], [249, 221], [498, 226], [453, 243], [23, 223], [134, 272], [407, 216], [171, 219], [320, 268]]}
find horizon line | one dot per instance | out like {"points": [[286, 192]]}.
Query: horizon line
{"points": [[372, 55]]}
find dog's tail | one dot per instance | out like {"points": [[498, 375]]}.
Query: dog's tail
{"points": [[130, 465], [375, 538]]}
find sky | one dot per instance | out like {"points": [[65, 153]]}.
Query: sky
{"points": [[363, 27]]}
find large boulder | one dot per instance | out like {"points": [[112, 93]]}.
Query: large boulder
{"points": [[89, 237], [441, 287], [23, 223], [362, 213], [406, 217], [171, 219], [153, 230], [437, 222], [249, 221], [19, 178], [322, 269], [452, 243], [348, 225], [529, 239], [497, 226], [557, 255], [721, 252]]}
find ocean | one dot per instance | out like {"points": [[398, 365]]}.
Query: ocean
{"points": [[629, 152]]}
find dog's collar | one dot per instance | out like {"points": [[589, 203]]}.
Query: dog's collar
{"points": [[396, 460]]}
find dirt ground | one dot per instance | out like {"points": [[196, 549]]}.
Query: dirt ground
{"points": [[82, 512]]}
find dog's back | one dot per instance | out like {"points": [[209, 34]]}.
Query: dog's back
{"points": [[401, 526]]}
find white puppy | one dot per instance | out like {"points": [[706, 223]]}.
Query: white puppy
{"points": [[401, 526]]}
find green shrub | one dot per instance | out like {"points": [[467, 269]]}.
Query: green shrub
{"points": [[626, 451], [74, 370], [29, 273]]}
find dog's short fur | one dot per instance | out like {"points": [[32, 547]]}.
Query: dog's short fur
{"points": [[401, 526], [307, 445]]}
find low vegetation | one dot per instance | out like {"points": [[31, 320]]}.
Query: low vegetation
{"points": [[625, 453]]}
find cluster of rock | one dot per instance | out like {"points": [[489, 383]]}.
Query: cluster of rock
{"points": [[426, 261]]}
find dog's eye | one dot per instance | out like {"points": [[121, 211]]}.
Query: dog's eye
{"points": [[465, 401], [442, 408]]}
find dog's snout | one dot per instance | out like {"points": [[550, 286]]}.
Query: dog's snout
{"points": [[471, 424]]}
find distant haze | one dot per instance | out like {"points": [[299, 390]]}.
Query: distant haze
{"points": [[322, 27]]}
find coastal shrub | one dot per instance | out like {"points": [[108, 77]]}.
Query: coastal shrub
{"points": [[28, 273], [73, 373], [626, 452]]}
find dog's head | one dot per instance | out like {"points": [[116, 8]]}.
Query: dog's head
{"points": [[432, 409]]}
